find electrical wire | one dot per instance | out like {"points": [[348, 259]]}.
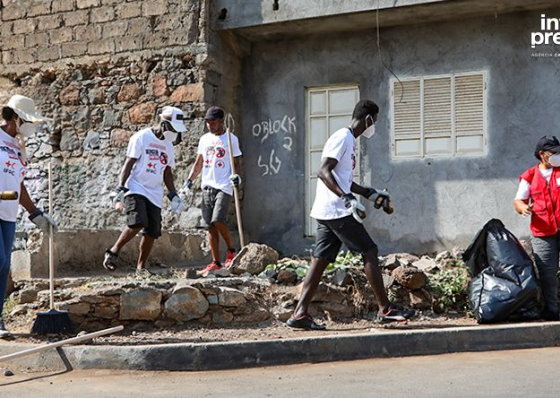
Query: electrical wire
{"points": [[381, 55]]}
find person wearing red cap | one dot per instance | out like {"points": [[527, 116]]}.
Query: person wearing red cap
{"points": [[20, 119], [538, 196], [217, 184], [148, 166]]}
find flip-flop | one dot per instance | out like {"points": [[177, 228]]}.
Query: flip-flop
{"points": [[110, 259]]}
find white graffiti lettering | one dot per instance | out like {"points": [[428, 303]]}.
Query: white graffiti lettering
{"points": [[268, 127], [272, 167]]}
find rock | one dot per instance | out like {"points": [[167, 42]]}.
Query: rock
{"points": [[186, 303], [76, 308], [457, 252], [222, 272], [92, 140], [325, 293], [219, 315], [70, 96], [129, 92], [111, 118], [142, 113], [409, 277], [212, 299], [229, 297], [281, 313], [27, 296], [390, 262], [158, 85], [445, 255], [388, 280], [254, 258], [69, 140], [337, 310], [286, 277], [342, 278], [188, 93], [427, 264], [255, 316], [105, 311], [420, 299], [140, 304], [20, 309], [10, 286], [8, 373], [120, 138]]}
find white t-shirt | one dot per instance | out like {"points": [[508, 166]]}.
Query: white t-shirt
{"points": [[216, 167], [153, 156], [524, 187], [12, 171], [340, 146]]}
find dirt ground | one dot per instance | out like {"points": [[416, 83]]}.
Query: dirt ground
{"points": [[270, 330]]}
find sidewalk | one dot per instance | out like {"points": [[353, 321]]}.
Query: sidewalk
{"points": [[245, 354]]}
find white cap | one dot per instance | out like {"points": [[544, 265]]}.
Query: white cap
{"points": [[25, 108], [174, 116]]}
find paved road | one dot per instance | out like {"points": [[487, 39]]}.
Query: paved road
{"points": [[522, 373]]}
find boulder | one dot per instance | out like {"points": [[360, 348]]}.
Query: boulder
{"points": [[140, 304], [219, 315], [426, 264], [186, 303], [420, 299], [286, 277], [254, 258], [410, 277], [255, 316], [342, 278], [229, 297]]}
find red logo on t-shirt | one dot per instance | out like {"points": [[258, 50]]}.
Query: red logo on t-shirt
{"points": [[219, 164], [163, 158], [10, 164], [220, 152]]}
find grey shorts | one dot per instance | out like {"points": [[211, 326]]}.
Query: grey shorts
{"points": [[331, 234], [215, 205], [141, 213]]}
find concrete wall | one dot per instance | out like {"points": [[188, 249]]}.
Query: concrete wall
{"points": [[439, 202]]}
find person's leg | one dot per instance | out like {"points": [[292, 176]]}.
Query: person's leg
{"points": [[545, 250], [126, 236], [223, 229], [214, 240], [7, 235], [146, 245], [219, 217], [310, 284], [375, 279]]}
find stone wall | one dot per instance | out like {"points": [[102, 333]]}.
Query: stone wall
{"points": [[103, 69]]}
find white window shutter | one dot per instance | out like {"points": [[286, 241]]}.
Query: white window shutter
{"points": [[469, 113], [407, 120]]}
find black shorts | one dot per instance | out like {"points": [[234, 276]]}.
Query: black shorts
{"points": [[141, 213], [215, 205], [331, 234]]}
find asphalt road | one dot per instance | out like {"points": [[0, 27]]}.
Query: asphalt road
{"points": [[522, 373]]}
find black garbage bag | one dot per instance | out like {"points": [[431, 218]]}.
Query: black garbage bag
{"points": [[504, 285]]}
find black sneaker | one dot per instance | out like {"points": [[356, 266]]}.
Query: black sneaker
{"points": [[110, 260], [394, 313], [304, 322]]}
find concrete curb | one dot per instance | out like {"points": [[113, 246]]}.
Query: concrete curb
{"points": [[244, 354]]}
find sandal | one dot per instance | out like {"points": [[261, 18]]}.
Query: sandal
{"points": [[109, 263], [305, 322]]}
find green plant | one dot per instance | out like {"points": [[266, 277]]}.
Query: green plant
{"points": [[449, 287], [345, 261]]}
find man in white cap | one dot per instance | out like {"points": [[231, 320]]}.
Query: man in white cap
{"points": [[20, 118], [148, 165]]}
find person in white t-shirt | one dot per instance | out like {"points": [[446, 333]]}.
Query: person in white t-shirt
{"points": [[213, 160], [148, 166], [340, 215], [19, 117]]}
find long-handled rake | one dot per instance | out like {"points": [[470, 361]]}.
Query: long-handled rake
{"points": [[230, 125], [52, 321]]}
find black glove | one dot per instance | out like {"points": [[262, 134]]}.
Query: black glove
{"points": [[189, 184]]}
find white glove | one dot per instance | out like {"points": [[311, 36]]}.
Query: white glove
{"points": [[177, 204], [358, 210], [43, 221], [117, 198], [186, 191], [235, 180]]}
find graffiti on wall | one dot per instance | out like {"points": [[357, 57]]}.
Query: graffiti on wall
{"points": [[270, 163]]}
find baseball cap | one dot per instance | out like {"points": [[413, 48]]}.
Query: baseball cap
{"points": [[174, 116], [25, 108], [214, 112], [548, 143]]}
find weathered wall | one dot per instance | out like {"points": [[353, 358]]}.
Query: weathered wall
{"points": [[439, 202], [103, 69]]}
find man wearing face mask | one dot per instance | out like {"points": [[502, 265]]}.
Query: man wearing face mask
{"points": [[538, 196], [19, 117], [149, 164], [339, 216]]}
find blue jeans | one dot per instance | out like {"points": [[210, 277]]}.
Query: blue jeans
{"points": [[7, 235]]}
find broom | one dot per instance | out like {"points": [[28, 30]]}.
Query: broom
{"points": [[52, 321]]}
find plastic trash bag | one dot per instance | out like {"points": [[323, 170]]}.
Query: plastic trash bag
{"points": [[504, 285]]}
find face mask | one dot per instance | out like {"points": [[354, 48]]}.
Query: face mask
{"points": [[554, 160], [27, 129], [370, 131], [170, 136]]}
